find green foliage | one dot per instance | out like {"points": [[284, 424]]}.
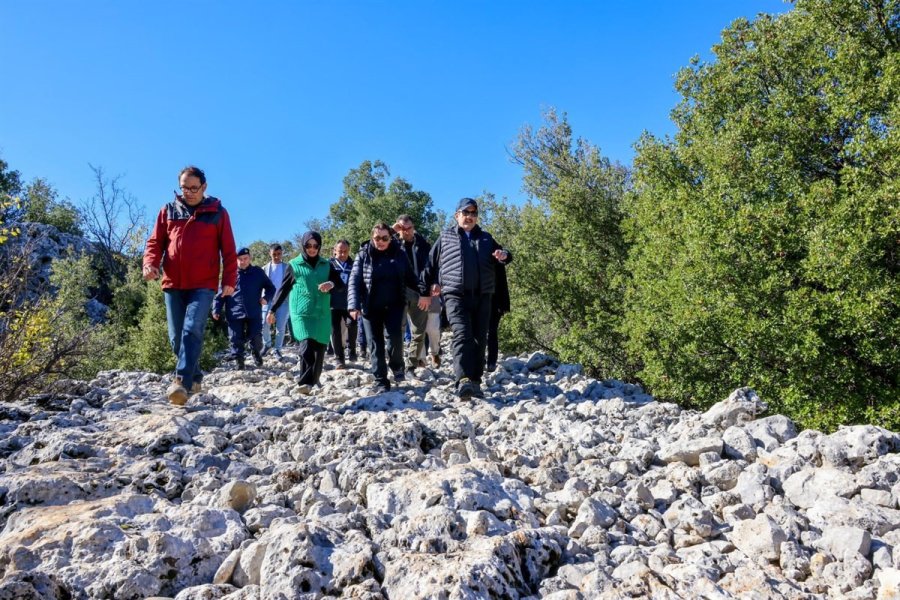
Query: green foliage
{"points": [[765, 233], [567, 278], [41, 204], [46, 338], [368, 199]]}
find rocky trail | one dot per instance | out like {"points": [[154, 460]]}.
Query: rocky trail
{"points": [[554, 486]]}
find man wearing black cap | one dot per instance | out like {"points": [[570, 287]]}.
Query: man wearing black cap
{"points": [[461, 269], [243, 309]]}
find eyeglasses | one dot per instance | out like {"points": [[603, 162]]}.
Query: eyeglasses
{"points": [[311, 245], [469, 213], [192, 188], [381, 238]]}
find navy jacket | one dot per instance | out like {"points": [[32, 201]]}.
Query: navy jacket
{"points": [[244, 303]]}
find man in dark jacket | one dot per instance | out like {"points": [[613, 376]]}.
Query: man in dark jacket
{"points": [[340, 316], [191, 237], [416, 248], [243, 309], [461, 268]]}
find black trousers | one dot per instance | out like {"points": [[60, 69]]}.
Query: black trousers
{"points": [[384, 352], [492, 344], [312, 358], [242, 330], [337, 340], [469, 317]]}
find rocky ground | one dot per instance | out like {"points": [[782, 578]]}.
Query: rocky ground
{"points": [[554, 486]]}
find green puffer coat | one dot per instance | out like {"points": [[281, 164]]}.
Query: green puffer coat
{"points": [[310, 308]]}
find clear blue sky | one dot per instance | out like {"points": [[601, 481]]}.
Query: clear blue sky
{"points": [[276, 101]]}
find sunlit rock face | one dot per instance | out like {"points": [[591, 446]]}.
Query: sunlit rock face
{"points": [[555, 485]]}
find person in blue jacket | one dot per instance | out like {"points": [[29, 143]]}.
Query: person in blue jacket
{"points": [[243, 309]]}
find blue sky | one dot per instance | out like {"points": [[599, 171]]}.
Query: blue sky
{"points": [[276, 101]]}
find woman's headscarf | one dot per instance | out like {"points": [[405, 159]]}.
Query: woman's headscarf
{"points": [[308, 237]]}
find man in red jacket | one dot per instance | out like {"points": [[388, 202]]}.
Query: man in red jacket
{"points": [[191, 238]]}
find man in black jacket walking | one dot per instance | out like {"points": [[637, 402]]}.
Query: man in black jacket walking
{"points": [[461, 268], [416, 248]]}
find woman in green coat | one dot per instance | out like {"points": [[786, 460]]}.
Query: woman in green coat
{"points": [[307, 284]]}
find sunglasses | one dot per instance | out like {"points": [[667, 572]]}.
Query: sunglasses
{"points": [[381, 238], [316, 246], [469, 213]]}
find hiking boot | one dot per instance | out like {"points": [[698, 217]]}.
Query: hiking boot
{"points": [[421, 364], [176, 393], [278, 354], [382, 387], [477, 392], [399, 376], [352, 357], [257, 359], [464, 389], [304, 389], [196, 388], [435, 360], [340, 366], [240, 363], [265, 350]]}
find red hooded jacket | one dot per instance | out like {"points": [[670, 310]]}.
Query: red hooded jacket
{"points": [[188, 246]]}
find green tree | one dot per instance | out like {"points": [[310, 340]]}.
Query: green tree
{"points": [[765, 234], [369, 198], [41, 204], [567, 279]]}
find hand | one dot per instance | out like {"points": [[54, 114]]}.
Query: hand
{"points": [[354, 314], [271, 319], [435, 290], [215, 316], [501, 255], [424, 302], [150, 273], [326, 287], [262, 301], [227, 290]]}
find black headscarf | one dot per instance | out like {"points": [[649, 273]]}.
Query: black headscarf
{"points": [[314, 237]]}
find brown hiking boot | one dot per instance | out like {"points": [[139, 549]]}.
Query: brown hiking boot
{"points": [[197, 388], [176, 393], [436, 360]]}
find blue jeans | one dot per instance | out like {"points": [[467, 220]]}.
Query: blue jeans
{"points": [[281, 318], [186, 314]]}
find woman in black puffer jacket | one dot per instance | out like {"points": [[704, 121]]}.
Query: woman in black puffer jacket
{"points": [[377, 293]]}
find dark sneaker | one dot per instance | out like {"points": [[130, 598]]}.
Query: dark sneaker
{"points": [[421, 364], [176, 393], [465, 389], [240, 363], [383, 387], [352, 358], [278, 355], [265, 351], [257, 359], [490, 367], [399, 376], [477, 391]]}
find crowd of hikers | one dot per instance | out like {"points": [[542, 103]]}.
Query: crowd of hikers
{"points": [[397, 282]]}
